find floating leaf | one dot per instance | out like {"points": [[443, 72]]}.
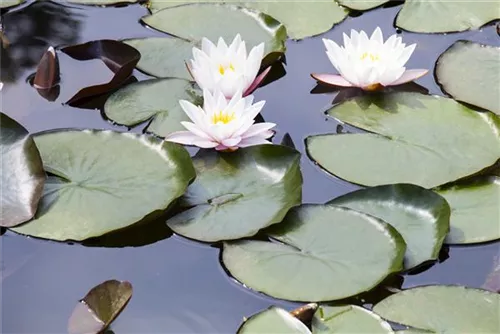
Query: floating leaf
{"points": [[430, 16], [419, 139], [10, 3], [47, 72], [22, 175], [443, 309], [273, 320], [316, 17], [325, 253], [97, 310], [236, 194], [475, 213], [478, 63], [104, 181], [120, 58], [156, 99], [214, 21], [362, 4], [421, 216], [348, 319], [163, 57], [103, 2]]}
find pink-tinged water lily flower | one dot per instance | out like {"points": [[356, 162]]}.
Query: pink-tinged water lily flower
{"points": [[223, 124], [227, 68], [369, 63]]}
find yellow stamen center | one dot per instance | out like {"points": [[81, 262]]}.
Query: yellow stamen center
{"points": [[223, 118], [370, 56], [223, 69]]}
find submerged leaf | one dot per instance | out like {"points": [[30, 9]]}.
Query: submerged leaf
{"points": [[305, 313], [21, 174], [419, 139], [431, 16], [324, 253], [421, 216], [236, 194], [103, 2], [273, 320], [10, 3], [120, 58], [443, 309], [97, 310], [480, 64], [104, 181]]}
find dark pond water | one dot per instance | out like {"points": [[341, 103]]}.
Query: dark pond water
{"points": [[179, 285]]}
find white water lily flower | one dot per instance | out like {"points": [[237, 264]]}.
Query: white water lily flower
{"points": [[227, 68], [369, 63], [223, 124]]}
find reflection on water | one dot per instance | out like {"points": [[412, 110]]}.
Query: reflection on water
{"points": [[179, 285], [31, 31]]}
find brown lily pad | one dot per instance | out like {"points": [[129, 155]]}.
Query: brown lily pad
{"points": [[119, 57], [97, 310], [47, 72]]}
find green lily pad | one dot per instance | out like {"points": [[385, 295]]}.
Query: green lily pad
{"points": [[22, 175], [421, 216], [475, 213], [316, 17], [213, 21], [480, 65], [163, 57], [443, 309], [156, 99], [97, 310], [10, 3], [362, 4], [273, 320], [236, 194], [419, 139], [431, 16], [105, 181], [103, 2], [324, 253], [348, 319]]}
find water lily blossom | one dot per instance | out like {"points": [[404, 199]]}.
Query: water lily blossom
{"points": [[223, 124], [369, 63], [227, 68]]}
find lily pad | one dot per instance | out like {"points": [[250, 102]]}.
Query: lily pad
{"points": [[22, 175], [236, 194], [10, 3], [316, 17], [348, 319], [163, 57], [475, 213], [430, 16], [97, 310], [222, 20], [421, 216], [419, 139], [152, 99], [362, 4], [324, 253], [478, 63], [443, 309], [104, 181], [273, 320]]}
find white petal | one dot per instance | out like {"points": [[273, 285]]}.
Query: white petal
{"points": [[332, 79], [390, 76], [254, 110], [193, 128], [251, 141], [209, 102], [258, 129], [207, 46], [391, 42], [406, 54], [408, 76], [195, 113], [221, 45], [377, 36], [182, 137], [231, 142], [235, 44]]}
